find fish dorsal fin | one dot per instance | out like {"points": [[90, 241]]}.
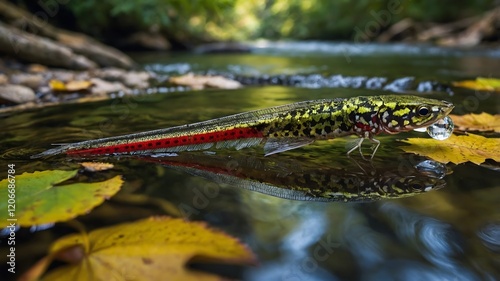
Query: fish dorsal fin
{"points": [[277, 145]]}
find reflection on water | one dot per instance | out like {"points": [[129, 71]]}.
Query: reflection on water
{"points": [[438, 242], [306, 180], [490, 236], [295, 252]]}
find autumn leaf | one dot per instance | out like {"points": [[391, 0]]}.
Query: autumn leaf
{"points": [[483, 122], [156, 248], [70, 86], [39, 201], [96, 166], [480, 84], [199, 82], [456, 149]]}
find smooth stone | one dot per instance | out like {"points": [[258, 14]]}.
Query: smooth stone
{"points": [[16, 94], [33, 81], [3, 79], [102, 87]]}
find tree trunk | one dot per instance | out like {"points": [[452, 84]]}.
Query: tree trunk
{"points": [[32, 48], [81, 44]]}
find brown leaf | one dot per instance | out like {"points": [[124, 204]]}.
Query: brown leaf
{"points": [[483, 122], [456, 149], [199, 82], [37, 68], [96, 166]]}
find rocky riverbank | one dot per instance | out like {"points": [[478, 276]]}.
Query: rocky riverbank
{"points": [[33, 85]]}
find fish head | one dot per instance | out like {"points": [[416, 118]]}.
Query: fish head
{"points": [[405, 113], [413, 185]]}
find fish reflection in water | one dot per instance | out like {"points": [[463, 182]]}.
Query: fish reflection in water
{"points": [[290, 178]]}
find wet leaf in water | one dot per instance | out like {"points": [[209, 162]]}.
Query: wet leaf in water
{"points": [[483, 122], [199, 82], [96, 166], [151, 249], [39, 201], [456, 149], [480, 84], [70, 86]]}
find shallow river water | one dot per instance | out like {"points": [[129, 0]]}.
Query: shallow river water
{"points": [[449, 230]]}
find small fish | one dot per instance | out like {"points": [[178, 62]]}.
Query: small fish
{"points": [[279, 128]]}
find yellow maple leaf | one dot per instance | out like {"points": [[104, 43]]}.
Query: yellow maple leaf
{"points": [[156, 248], [456, 149], [477, 122], [480, 84], [70, 86]]}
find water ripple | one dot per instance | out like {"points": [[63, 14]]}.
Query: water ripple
{"points": [[437, 241], [490, 236]]}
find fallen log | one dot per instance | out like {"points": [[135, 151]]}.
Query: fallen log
{"points": [[79, 43], [32, 48]]}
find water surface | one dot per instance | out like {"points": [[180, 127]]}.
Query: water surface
{"points": [[452, 233]]}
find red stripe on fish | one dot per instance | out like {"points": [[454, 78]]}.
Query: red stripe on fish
{"points": [[153, 144]]}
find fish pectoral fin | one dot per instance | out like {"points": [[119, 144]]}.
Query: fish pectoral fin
{"points": [[277, 145], [352, 144]]}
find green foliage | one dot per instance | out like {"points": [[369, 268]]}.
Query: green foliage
{"points": [[275, 19], [338, 19], [96, 17]]}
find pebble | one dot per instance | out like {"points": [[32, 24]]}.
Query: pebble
{"points": [[136, 79], [16, 94], [110, 73], [33, 81], [102, 87], [3, 79]]}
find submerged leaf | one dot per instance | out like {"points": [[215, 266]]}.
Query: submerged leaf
{"points": [[456, 149], [477, 122], [480, 84], [39, 201], [96, 166], [150, 249]]}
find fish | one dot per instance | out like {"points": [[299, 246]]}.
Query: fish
{"points": [[304, 180], [278, 128]]}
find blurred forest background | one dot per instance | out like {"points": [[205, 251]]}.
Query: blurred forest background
{"points": [[161, 24]]}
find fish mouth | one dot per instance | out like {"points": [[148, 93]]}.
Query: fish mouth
{"points": [[446, 108]]}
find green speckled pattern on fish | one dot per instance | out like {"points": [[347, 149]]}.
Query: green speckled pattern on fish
{"points": [[281, 128]]}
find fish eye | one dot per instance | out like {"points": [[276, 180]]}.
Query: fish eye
{"points": [[415, 186], [423, 111]]}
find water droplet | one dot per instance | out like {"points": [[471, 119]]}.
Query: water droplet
{"points": [[432, 169], [442, 129]]}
